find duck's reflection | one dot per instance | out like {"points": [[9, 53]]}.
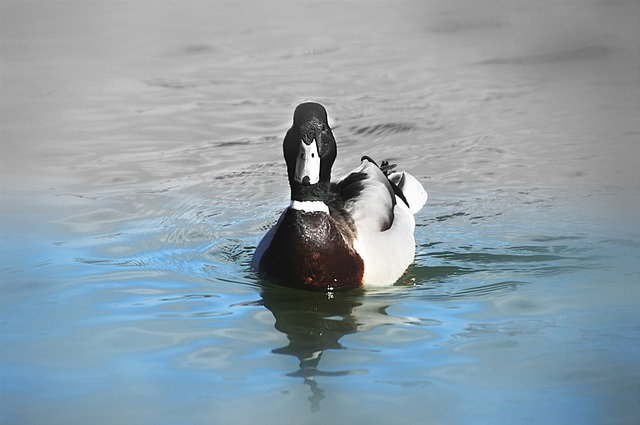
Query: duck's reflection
{"points": [[315, 322]]}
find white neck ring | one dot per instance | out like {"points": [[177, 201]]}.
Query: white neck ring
{"points": [[309, 206]]}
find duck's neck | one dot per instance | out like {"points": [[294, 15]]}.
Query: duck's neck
{"points": [[309, 197], [306, 192]]}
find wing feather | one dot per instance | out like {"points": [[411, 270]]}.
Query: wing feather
{"points": [[368, 197]]}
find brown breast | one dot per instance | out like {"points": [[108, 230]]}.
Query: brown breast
{"points": [[309, 251]]}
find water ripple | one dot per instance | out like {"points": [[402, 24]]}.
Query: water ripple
{"points": [[570, 55]]}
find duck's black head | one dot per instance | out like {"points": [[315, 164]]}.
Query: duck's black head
{"points": [[309, 150]]}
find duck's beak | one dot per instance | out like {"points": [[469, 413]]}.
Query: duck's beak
{"points": [[307, 164]]}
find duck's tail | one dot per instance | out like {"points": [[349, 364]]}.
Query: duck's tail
{"points": [[413, 191]]}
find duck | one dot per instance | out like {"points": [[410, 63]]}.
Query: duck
{"points": [[356, 232]]}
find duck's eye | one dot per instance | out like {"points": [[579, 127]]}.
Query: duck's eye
{"points": [[313, 155]]}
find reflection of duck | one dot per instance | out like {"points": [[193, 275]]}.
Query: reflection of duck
{"points": [[358, 231], [314, 323]]}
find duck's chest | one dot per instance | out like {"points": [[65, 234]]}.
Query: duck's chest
{"points": [[309, 251]]}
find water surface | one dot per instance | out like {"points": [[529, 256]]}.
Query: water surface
{"points": [[141, 165]]}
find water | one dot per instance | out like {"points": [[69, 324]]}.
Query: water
{"points": [[141, 165]]}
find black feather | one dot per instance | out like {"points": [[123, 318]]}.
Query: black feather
{"points": [[387, 168], [351, 186]]}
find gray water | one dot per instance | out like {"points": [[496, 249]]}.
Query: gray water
{"points": [[141, 165]]}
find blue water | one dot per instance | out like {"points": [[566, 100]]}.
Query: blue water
{"points": [[141, 164]]}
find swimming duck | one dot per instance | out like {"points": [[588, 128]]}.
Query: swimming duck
{"points": [[355, 232]]}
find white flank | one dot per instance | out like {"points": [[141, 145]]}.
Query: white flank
{"points": [[386, 255]]}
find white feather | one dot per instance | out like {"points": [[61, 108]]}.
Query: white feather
{"points": [[386, 253], [264, 243]]}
